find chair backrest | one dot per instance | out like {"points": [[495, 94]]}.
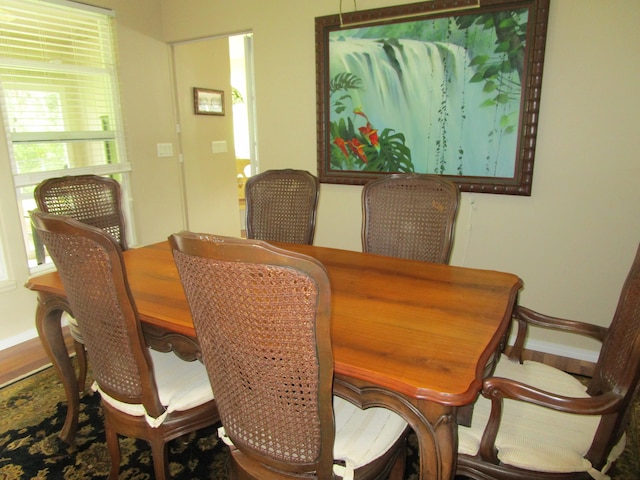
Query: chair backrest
{"points": [[281, 206], [410, 216], [90, 199], [90, 265], [262, 317], [618, 367]]}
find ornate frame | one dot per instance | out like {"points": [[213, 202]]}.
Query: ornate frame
{"points": [[495, 52]]}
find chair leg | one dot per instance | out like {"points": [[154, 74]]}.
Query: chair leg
{"points": [[160, 456], [114, 449], [81, 356]]}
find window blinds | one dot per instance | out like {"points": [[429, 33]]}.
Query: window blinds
{"points": [[59, 92]]}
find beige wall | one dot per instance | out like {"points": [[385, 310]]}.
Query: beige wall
{"points": [[571, 242]]}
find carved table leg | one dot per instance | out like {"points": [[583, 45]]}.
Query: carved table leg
{"points": [[48, 314]]}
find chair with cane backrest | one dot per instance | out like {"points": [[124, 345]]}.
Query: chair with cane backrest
{"points": [[537, 422], [90, 199], [145, 394], [410, 216], [262, 316], [93, 200], [281, 206]]}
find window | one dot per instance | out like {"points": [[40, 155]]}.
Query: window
{"points": [[59, 96]]}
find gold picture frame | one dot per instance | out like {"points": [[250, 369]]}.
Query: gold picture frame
{"points": [[208, 102]]}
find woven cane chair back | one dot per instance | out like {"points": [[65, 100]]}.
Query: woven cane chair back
{"points": [[90, 266], [618, 367], [410, 216], [90, 199], [262, 318], [281, 206]]}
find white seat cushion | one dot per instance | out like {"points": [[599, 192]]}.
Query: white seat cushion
{"points": [[362, 436], [181, 386], [533, 437]]}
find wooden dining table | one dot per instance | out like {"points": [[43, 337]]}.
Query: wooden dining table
{"points": [[414, 337]]}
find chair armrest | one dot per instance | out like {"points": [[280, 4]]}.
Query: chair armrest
{"points": [[525, 316], [496, 389]]}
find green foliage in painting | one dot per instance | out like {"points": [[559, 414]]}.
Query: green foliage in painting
{"points": [[496, 71], [361, 148]]}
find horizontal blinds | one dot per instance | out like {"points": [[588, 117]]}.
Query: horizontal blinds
{"points": [[59, 85], [45, 32]]}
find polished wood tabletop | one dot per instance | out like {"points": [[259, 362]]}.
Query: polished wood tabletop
{"points": [[420, 333]]}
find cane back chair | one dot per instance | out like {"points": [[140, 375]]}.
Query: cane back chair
{"points": [[536, 422], [262, 316], [410, 216], [90, 199], [281, 206], [145, 394]]}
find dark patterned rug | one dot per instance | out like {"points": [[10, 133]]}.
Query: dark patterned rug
{"points": [[30, 448]]}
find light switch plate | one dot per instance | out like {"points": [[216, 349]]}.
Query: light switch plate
{"points": [[165, 149], [219, 146]]}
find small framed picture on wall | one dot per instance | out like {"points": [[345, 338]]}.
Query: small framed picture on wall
{"points": [[208, 102]]}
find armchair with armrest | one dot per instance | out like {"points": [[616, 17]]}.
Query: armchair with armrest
{"points": [[536, 422]]}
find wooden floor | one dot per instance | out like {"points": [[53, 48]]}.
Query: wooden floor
{"points": [[26, 358]]}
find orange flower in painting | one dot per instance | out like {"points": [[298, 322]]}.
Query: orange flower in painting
{"points": [[357, 148], [371, 134], [358, 111], [342, 145]]}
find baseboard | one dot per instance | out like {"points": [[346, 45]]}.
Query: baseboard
{"points": [[18, 339], [569, 359]]}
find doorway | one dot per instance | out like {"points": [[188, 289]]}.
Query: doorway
{"points": [[241, 58], [217, 152]]}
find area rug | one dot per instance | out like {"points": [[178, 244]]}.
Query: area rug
{"points": [[30, 447], [33, 411]]}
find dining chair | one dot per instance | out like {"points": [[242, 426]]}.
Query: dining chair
{"points": [[145, 394], [262, 316], [281, 206], [90, 199], [410, 216], [534, 421]]}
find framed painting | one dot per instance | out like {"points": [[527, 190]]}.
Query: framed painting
{"points": [[446, 87], [208, 102]]}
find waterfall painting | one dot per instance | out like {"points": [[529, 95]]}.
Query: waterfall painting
{"points": [[438, 87]]}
